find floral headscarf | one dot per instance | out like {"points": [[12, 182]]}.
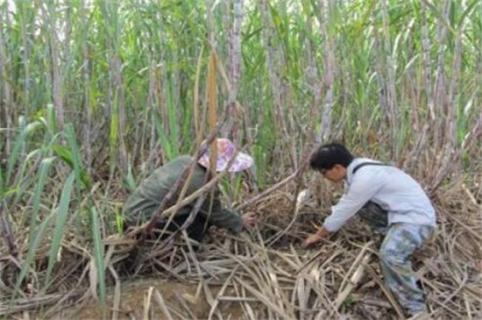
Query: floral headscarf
{"points": [[226, 150]]}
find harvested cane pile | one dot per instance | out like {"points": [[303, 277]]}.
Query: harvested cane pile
{"points": [[267, 275]]}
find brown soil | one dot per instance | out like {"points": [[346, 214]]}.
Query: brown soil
{"points": [[133, 302]]}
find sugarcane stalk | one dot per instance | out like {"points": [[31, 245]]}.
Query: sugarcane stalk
{"points": [[7, 233], [354, 280]]}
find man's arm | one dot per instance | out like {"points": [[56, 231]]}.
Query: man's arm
{"points": [[225, 218], [228, 219], [233, 221], [362, 189], [322, 233]]}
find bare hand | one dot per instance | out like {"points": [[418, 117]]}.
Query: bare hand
{"points": [[249, 219], [316, 237]]}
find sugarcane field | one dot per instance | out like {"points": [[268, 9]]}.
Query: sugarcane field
{"points": [[236, 159]]}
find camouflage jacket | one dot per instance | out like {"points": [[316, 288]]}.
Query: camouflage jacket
{"points": [[145, 200]]}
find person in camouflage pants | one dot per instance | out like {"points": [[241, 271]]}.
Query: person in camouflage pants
{"points": [[393, 203], [399, 243]]}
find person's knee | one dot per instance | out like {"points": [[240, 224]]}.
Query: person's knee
{"points": [[390, 257], [384, 255]]}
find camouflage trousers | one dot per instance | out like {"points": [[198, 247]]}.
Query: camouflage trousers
{"points": [[400, 242]]}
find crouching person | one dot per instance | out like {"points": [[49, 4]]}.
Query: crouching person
{"points": [[393, 204], [146, 199]]}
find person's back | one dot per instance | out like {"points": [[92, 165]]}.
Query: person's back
{"points": [[398, 193], [147, 197], [389, 187]]}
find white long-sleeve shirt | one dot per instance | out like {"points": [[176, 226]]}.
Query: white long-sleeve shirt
{"points": [[389, 187]]}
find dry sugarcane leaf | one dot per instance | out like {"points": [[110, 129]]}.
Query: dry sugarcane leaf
{"points": [[147, 303], [262, 298], [162, 304]]}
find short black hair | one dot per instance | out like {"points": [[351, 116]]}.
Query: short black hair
{"points": [[329, 155]]}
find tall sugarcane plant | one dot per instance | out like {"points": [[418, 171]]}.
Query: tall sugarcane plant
{"points": [[96, 94]]}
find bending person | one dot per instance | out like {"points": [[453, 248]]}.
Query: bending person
{"points": [[393, 203], [146, 199]]}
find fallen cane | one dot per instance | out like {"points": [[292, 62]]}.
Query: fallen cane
{"points": [[353, 282]]}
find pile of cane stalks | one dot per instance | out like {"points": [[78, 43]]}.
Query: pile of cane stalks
{"points": [[265, 273]]}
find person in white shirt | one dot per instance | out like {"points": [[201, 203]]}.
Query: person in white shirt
{"points": [[393, 204]]}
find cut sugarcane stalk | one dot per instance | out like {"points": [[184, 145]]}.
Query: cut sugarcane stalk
{"points": [[354, 280]]}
